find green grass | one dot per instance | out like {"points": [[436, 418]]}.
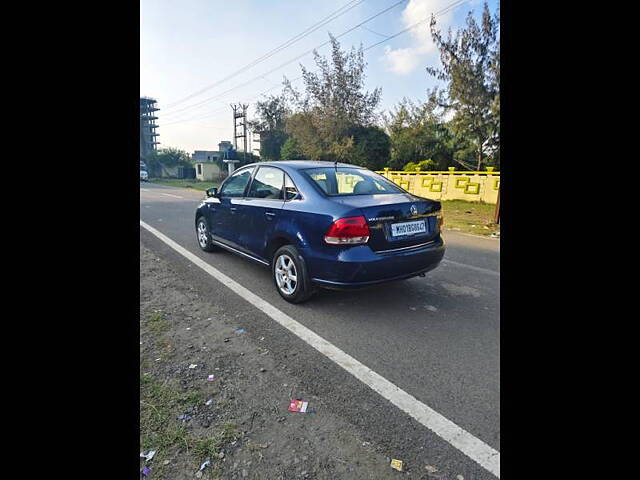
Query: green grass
{"points": [[157, 323], [469, 217], [162, 401], [160, 405], [210, 447], [183, 183]]}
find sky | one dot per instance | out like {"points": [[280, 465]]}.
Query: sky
{"points": [[191, 51]]}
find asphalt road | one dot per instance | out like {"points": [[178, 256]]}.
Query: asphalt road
{"points": [[437, 338]]}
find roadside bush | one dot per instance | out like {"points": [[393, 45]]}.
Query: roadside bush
{"points": [[421, 166]]}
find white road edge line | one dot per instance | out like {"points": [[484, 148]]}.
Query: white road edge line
{"points": [[472, 447], [477, 269], [170, 195]]}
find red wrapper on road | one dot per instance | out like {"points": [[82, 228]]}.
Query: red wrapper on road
{"points": [[297, 405]]}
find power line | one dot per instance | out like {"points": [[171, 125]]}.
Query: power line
{"points": [[341, 11], [411, 27], [379, 34], [291, 60], [447, 9]]}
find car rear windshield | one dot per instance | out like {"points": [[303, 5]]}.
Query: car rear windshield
{"points": [[350, 181]]}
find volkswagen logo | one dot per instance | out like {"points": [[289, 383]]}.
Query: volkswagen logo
{"points": [[413, 210]]}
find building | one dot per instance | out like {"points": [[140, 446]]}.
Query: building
{"points": [[148, 133], [209, 164], [208, 171], [206, 156], [225, 150]]}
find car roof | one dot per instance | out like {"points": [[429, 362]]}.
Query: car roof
{"points": [[302, 164]]}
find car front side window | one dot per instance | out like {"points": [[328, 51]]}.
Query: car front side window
{"points": [[236, 185]]}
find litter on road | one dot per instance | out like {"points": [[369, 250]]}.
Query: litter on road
{"points": [[184, 417], [397, 465], [297, 405], [211, 378], [204, 465], [148, 455], [209, 402], [240, 331], [145, 471], [193, 365]]}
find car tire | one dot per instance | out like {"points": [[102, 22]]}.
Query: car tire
{"points": [[203, 235], [290, 275]]}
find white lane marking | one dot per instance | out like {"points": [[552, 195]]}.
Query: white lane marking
{"points": [[472, 267], [144, 189], [472, 447], [170, 195]]}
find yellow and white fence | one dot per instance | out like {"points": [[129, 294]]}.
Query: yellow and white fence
{"points": [[449, 185]]}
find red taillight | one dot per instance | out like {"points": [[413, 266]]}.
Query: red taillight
{"points": [[348, 231]]}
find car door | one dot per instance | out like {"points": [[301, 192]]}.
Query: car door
{"points": [[260, 210], [224, 214]]}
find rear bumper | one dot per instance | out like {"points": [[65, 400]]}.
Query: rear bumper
{"points": [[353, 267]]}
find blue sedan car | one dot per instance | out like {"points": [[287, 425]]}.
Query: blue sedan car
{"points": [[321, 224]]}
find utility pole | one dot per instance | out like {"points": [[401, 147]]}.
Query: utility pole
{"points": [[240, 112], [235, 143]]}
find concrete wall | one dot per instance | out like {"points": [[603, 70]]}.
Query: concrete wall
{"points": [[450, 185], [164, 172], [207, 171]]}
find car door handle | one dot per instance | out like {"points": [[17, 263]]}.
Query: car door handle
{"points": [[233, 209], [270, 215]]}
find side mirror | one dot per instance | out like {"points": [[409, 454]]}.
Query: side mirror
{"points": [[212, 192]]}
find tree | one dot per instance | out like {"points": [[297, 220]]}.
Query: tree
{"points": [[371, 147], [471, 69], [418, 131], [168, 157], [334, 118], [291, 150], [270, 124]]}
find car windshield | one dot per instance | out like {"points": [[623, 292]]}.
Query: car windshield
{"points": [[350, 181]]}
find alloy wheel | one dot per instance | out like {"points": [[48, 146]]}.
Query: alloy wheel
{"points": [[286, 274], [202, 234]]}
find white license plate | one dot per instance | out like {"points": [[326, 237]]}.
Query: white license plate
{"points": [[408, 228]]}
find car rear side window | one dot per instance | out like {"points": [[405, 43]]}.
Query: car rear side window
{"points": [[267, 184], [290, 189], [350, 181], [236, 184]]}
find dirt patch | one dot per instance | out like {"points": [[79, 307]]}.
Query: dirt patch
{"points": [[239, 421]]}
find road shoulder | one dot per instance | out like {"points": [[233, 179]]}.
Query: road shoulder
{"points": [[246, 430]]}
